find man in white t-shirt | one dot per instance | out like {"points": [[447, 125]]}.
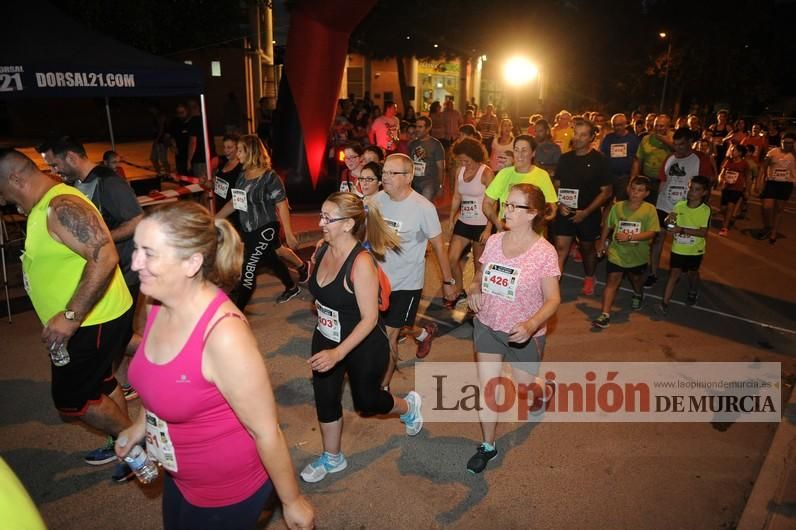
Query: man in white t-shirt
{"points": [[416, 222], [675, 175], [386, 129]]}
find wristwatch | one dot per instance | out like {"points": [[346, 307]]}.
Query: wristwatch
{"points": [[451, 281], [71, 315]]}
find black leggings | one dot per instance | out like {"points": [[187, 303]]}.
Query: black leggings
{"points": [[259, 248], [365, 366], [179, 514]]}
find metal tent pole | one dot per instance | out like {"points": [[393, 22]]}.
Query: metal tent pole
{"points": [[210, 180], [3, 259], [110, 123]]}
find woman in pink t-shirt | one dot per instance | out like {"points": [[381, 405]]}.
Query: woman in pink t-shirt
{"points": [[514, 293], [208, 410]]}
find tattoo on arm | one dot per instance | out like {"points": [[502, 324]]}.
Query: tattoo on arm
{"points": [[82, 224]]}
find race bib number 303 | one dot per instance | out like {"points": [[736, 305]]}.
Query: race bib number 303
{"points": [[328, 322], [500, 280]]}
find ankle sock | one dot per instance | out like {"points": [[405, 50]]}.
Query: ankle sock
{"points": [[488, 446], [422, 336], [333, 460]]}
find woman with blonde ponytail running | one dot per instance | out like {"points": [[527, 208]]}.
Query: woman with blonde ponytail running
{"points": [[350, 337]]}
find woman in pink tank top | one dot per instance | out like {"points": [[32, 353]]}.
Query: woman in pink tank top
{"points": [[469, 225], [209, 413]]}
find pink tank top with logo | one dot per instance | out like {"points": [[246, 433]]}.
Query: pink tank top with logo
{"points": [[209, 453]]}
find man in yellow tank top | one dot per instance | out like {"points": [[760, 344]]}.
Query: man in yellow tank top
{"points": [[70, 271]]}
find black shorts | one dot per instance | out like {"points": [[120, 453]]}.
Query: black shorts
{"points": [[469, 232], [662, 219], [620, 187], [88, 374], [403, 308], [655, 187], [777, 190], [613, 267], [730, 196], [684, 262], [587, 230]]}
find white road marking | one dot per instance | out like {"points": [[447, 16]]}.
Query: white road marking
{"points": [[700, 308]]}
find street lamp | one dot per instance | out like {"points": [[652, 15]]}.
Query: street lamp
{"points": [[518, 72], [663, 35]]}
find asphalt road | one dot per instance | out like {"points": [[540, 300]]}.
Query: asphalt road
{"points": [[548, 475]]}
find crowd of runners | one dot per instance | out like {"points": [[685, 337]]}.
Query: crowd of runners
{"points": [[523, 203]]}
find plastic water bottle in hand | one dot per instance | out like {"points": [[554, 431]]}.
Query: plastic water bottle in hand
{"points": [[60, 356], [138, 460]]}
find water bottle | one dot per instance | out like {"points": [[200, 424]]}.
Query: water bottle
{"points": [[60, 357], [143, 466], [671, 221]]}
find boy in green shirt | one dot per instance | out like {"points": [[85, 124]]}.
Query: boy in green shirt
{"points": [[691, 219], [633, 223]]}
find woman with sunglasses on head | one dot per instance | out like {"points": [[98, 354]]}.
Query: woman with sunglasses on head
{"points": [[350, 337], [261, 202], [513, 294]]}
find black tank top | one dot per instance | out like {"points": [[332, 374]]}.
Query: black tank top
{"points": [[230, 177], [335, 296]]}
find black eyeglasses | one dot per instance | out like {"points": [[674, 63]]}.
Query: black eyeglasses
{"points": [[368, 179], [393, 173], [510, 206], [325, 219]]}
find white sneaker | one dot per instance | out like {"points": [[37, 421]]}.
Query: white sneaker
{"points": [[317, 470], [413, 419]]}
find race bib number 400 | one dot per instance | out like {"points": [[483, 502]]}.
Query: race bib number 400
{"points": [[158, 442], [500, 280], [568, 197], [328, 322]]}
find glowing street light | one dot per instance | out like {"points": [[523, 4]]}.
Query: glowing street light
{"points": [[519, 71]]}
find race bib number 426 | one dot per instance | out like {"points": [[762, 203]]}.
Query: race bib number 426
{"points": [[500, 280]]}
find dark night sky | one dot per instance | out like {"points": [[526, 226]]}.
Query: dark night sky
{"points": [[604, 51]]}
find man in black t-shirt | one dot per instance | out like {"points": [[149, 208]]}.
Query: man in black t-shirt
{"points": [[584, 182], [109, 192], [197, 162], [181, 135]]}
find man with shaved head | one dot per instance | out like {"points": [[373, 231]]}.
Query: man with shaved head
{"points": [[416, 222], [71, 273]]}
